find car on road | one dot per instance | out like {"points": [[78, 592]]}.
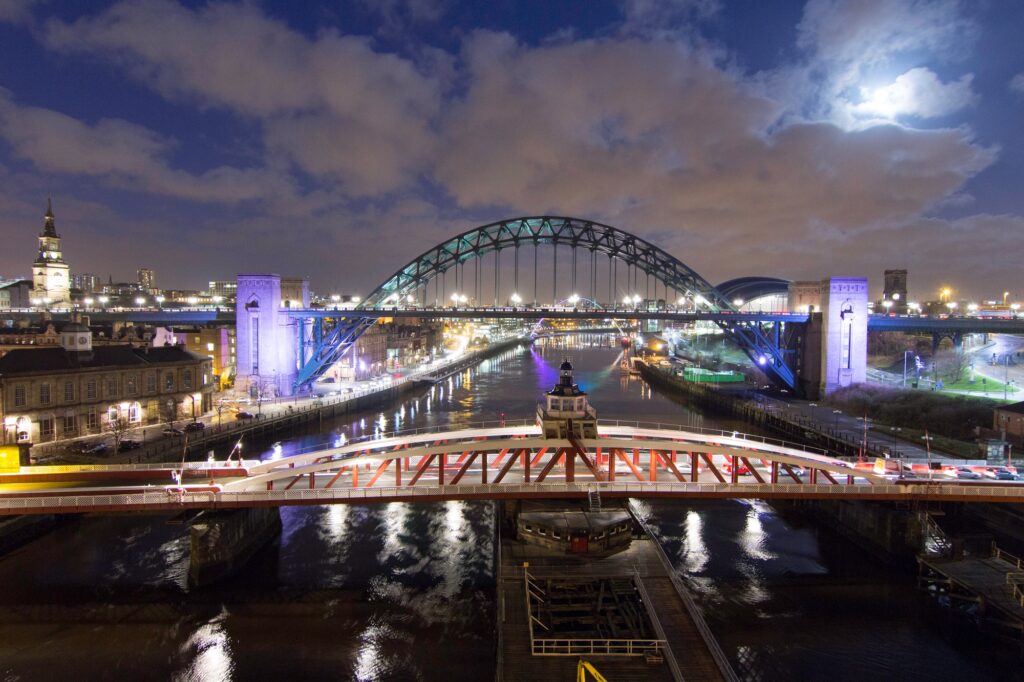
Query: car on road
{"points": [[173, 431], [1001, 474], [962, 472], [244, 415], [128, 444], [97, 449], [194, 426]]}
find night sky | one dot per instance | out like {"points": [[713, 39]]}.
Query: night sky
{"points": [[337, 140]]}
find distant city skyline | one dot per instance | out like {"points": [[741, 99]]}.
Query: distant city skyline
{"points": [[791, 139]]}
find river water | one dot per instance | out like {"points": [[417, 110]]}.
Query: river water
{"points": [[406, 592]]}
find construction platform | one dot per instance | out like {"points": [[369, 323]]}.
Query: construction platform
{"points": [[995, 583], [626, 597]]}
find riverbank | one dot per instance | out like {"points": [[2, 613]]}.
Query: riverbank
{"points": [[297, 415]]}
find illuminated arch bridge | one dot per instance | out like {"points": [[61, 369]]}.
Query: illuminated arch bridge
{"points": [[616, 266]]}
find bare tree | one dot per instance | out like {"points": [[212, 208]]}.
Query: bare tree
{"points": [[118, 429], [952, 365]]}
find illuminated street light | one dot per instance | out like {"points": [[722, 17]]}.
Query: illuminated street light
{"points": [[140, 301], [356, 299], [160, 299], [1006, 295], [914, 306], [103, 300], [972, 307], [192, 300], [737, 302], [887, 305], [636, 299], [951, 305], [944, 293], [88, 302], [627, 300], [699, 300], [335, 297], [218, 299], [515, 298], [574, 299]]}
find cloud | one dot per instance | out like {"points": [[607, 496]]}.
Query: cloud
{"points": [[16, 11], [661, 18], [234, 57], [849, 42], [125, 154], [651, 138], [917, 93], [1017, 83]]}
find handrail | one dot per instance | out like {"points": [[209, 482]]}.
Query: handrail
{"points": [[670, 658]]}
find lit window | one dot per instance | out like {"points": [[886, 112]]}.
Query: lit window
{"points": [[209, 347]]}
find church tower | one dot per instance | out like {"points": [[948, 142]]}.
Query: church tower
{"points": [[50, 279]]}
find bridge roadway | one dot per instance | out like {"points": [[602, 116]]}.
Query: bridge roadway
{"points": [[894, 323], [511, 461]]}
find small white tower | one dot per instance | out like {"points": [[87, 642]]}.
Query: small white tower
{"points": [[566, 411]]}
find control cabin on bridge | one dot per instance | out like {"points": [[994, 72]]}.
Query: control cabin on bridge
{"points": [[567, 413]]}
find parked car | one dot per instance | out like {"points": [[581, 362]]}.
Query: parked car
{"points": [[97, 449], [129, 444], [244, 415], [172, 431], [194, 426]]}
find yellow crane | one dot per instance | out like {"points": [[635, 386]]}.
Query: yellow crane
{"points": [[584, 667]]}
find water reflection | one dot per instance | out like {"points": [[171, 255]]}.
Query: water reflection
{"points": [[209, 649]]}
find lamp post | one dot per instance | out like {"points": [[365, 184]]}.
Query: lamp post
{"points": [[928, 449], [895, 430], [835, 420], [1006, 376]]}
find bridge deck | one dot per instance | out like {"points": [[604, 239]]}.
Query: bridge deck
{"points": [[684, 640]]}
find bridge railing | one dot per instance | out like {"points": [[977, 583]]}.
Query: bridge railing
{"points": [[163, 497]]}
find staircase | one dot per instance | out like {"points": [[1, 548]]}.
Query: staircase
{"points": [[936, 542], [594, 497]]}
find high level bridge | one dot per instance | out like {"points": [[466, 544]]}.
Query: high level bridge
{"points": [[485, 462]]}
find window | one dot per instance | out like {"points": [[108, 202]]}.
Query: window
{"points": [[46, 427], [134, 413], [150, 383], [209, 347], [112, 387], [69, 392], [112, 414], [70, 424], [90, 389], [541, 531], [169, 381], [186, 379], [556, 535], [44, 394], [19, 396], [131, 384], [92, 420]]}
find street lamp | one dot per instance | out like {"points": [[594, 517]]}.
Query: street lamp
{"points": [[140, 301], [160, 300], [835, 420], [88, 302], [928, 448], [103, 300], [895, 430], [574, 299], [515, 298]]}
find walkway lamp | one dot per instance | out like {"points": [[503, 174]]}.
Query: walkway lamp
{"points": [[140, 301], [928, 449], [160, 300], [515, 298], [104, 300], [88, 302], [895, 430]]}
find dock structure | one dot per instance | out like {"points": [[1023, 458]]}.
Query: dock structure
{"points": [[994, 582], [646, 631]]}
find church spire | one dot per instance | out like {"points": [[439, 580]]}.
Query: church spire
{"points": [[49, 227]]}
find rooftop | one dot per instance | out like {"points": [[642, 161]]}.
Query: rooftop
{"points": [[55, 359]]}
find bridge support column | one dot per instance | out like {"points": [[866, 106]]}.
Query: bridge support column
{"points": [[222, 542], [844, 336], [267, 341]]}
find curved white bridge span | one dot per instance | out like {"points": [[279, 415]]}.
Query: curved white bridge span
{"points": [[487, 462]]}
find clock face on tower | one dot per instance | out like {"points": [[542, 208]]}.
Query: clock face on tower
{"points": [[82, 339]]}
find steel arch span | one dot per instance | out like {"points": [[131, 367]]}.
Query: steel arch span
{"points": [[760, 345]]}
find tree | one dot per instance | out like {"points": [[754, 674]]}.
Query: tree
{"points": [[118, 428], [951, 366]]}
